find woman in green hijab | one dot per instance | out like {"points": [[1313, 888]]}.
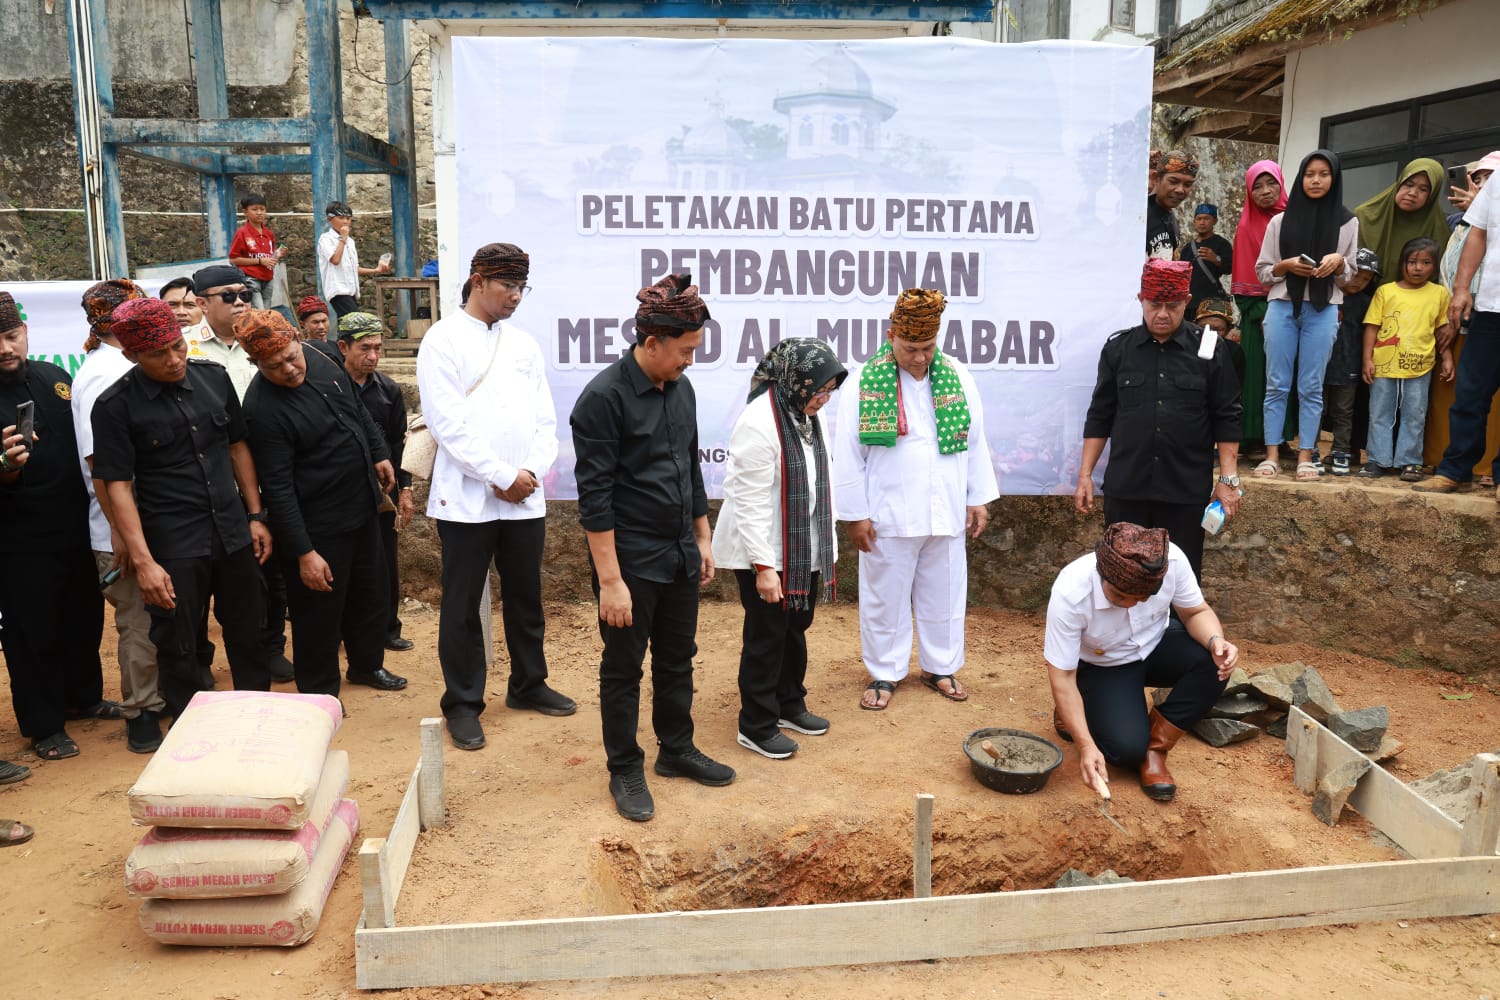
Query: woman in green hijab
{"points": [[1409, 208]]}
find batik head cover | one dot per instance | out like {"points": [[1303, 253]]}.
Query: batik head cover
{"points": [[669, 307], [144, 324], [1166, 281], [263, 333], [1132, 559], [311, 305], [918, 314]]}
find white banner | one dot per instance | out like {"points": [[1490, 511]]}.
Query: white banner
{"points": [[55, 324], [804, 185]]}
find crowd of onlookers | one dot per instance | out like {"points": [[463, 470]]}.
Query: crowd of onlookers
{"points": [[1347, 322]]}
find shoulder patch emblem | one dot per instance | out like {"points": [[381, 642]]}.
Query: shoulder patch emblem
{"points": [[62, 390]]}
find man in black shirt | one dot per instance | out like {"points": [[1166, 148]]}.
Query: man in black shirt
{"points": [[324, 468], [1172, 177], [169, 445], [1163, 409], [360, 344], [51, 612], [643, 507], [1211, 255]]}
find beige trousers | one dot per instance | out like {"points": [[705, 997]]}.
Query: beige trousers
{"points": [[135, 652]]}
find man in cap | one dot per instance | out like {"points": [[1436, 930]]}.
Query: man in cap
{"points": [[1109, 637], [487, 403], [360, 343], [1211, 255], [1173, 174], [912, 475], [338, 260], [324, 468], [170, 447], [312, 316], [644, 510], [224, 296], [51, 614], [102, 368], [1163, 407]]}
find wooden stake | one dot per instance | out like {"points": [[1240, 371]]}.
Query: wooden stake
{"points": [[432, 803], [1482, 827], [1305, 770], [922, 849]]}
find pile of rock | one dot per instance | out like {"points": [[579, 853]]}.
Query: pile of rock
{"points": [[1257, 703]]}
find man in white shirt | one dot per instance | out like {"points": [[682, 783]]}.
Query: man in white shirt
{"points": [[486, 401], [1109, 637], [1479, 365], [136, 654], [912, 475], [338, 261]]}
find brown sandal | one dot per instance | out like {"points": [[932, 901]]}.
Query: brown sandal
{"points": [[955, 690], [13, 832], [888, 688]]}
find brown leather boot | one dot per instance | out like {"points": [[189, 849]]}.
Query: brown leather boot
{"points": [[1156, 780], [1061, 727]]}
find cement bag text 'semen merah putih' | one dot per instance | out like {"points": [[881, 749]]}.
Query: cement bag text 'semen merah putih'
{"points": [[285, 920], [173, 862], [238, 760]]}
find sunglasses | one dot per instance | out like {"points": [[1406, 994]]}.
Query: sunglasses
{"points": [[228, 297]]}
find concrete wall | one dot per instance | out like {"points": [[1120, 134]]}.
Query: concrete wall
{"points": [[1430, 52]]}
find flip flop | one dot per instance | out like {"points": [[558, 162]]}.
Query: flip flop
{"points": [[886, 687], [13, 832], [13, 772], [55, 747], [1266, 470], [100, 710], [955, 690]]}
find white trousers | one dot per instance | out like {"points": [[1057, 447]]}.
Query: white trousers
{"points": [[925, 577]]}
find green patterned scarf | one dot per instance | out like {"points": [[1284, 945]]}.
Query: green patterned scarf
{"points": [[881, 417]]}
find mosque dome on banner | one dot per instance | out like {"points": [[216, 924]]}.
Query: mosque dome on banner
{"points": [[833, 110], [711, 156]]}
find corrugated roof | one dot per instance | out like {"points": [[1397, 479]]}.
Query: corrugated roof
{"points": [[1234, 26]]}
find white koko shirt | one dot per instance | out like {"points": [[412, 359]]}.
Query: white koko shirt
{"points": [[486, 437], [909, 490], [100, 370]]}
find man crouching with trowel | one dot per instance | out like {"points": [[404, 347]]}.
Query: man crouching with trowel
{"points": [[1109, 637]]}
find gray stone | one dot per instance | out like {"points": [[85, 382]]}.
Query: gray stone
{"points": [[1311, 694], [1363, 728], [1335, 788], [1222, 732], [1273, 689], [1389, 748], [1238, 683], [1277, 728], [1237, 706], [1072, 878], [1287, 672], [1448, 789]]}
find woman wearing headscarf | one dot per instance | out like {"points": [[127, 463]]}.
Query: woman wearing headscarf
{"points": [[1409, 208], [775, 531], [1307, 251], [1265, 196]]}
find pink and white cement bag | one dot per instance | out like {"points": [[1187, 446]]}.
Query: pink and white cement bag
{"points": [[286, 920], [186, 863], [244, 760]]}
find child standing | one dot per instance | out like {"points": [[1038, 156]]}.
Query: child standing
{"points": [[1406, 333], [254, 249], [1345, 370]]}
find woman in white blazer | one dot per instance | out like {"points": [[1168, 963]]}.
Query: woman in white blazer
{"points": [[775, 530]]}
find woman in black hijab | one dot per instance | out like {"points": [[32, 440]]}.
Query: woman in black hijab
{"points": [[1307, 253]]}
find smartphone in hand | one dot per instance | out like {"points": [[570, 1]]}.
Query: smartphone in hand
{"points": [[26, 422], [1308, 260]]}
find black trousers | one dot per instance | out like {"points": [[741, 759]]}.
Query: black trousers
{"points": [[773, 659], [352, 613], [1112, 696], [343, 304], [515, 549], [388, 540], [233, 581], [1183, 521], [51, 625], [665, 617], [273, 635]]}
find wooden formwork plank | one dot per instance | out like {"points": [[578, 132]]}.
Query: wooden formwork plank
{"points": [[396, 855], [1481, 828], [921, 877], [433, 801], [374, 883], [1396, 810], [916, 929]]}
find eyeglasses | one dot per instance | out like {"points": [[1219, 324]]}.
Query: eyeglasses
{"points": [[511, 288], [228, 297], [822, 394]]}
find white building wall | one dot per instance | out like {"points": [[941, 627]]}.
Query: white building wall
{"points": [[1432, 51]]}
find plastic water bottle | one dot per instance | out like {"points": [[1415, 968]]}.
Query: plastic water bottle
{"points": [[1213, 517]]}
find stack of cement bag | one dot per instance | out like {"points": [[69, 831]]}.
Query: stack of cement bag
{"points": [[249, 824]]}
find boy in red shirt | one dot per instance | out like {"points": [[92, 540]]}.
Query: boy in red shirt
{"points": [[254, 249]]}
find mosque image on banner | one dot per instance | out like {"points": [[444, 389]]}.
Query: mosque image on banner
{"points": [[804, 185]]}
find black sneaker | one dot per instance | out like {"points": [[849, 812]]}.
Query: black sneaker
{"points": [[1370, 471], [544, 700], [143, 733], [632, 797], [777, 746], [805, 723], [466, 732], [693, 763]]}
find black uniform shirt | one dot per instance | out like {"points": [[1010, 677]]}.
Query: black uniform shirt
{"points": [[1163, 408], [382, 397], [315, 452], [173, 440], [637, 469], [46, 508]]}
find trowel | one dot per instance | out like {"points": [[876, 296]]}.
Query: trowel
{"points": [[1103, 790]]}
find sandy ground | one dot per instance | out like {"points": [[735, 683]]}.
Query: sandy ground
{"points": [[533, 833]]}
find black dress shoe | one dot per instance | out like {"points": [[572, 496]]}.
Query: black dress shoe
{"points": [[544, 700], [282, 670], [380, 678], [466, 732], [143, 733], [398, 644]]}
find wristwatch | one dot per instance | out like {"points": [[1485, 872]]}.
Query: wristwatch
{"points": [[260, 516], [1230, 481]]}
